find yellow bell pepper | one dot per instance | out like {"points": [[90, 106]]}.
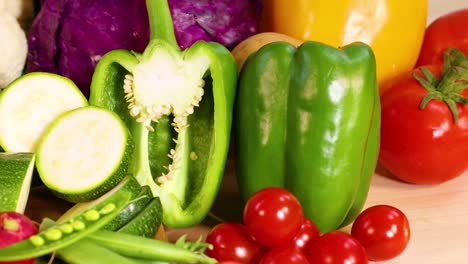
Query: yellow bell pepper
{"points": [[393, 28]]}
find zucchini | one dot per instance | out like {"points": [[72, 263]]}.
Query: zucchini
{"points": [[84, 153], [134, 207], [147, 222], [135, 204], [30, 103], [16, 170]]}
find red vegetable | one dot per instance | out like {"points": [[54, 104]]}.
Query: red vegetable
{"points": [[284, 255], [424, 132], [337, 247], [383, 231], [231, 242], [447, 31], [307, 234], [273, 216], [15, 227]]}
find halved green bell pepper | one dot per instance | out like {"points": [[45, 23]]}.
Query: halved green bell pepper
{"points": [[178, 107], [308, 120]]}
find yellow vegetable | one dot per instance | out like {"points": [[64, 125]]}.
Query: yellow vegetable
{"points": [[251, 44], [393, 28]]}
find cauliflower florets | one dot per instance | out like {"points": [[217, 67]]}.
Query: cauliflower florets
{"points": [[22, 10], [14, 47]]}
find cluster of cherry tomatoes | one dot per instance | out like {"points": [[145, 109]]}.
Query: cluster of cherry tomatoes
{"points": [[274, 230]]}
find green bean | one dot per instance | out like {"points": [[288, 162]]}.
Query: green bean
{"points": [[147, 248]]}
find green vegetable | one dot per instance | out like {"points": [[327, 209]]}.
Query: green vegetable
{"points": [[147, 222], [84, 153], [134, 208], [140, 198], [181, 140], [151, 249], [64, 234], [16, 170], [30, 103], [308, 119], [86, 251]]}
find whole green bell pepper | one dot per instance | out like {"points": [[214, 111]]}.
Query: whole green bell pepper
{"points": [[178, 107], [308, 120]]}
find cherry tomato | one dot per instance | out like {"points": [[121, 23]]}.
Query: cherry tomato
{"points": [[422, 146], [383, 231], [337, 247], [307, 234], [273, 216], [231, 243], [447, 31], [284, 255]]}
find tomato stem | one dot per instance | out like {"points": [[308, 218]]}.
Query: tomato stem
{"points": [[453, 80]]}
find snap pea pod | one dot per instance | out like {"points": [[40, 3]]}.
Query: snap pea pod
{"points": [[86, 251], [147, 249], [58, 236]]}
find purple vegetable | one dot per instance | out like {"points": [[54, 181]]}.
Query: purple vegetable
{"points": [[69, 37], [227, 22]]}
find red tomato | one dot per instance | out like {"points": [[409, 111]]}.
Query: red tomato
{"points": [[383, 231], [337, 247], [447, 31], [231, 243], [284, 255], [422, 146], [273, 216], [307, 234]]}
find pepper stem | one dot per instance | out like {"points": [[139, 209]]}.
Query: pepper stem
{"points": [[160, 21], [453, 80]]}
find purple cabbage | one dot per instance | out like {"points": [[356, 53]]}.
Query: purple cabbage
{"points": [[69, 37]]}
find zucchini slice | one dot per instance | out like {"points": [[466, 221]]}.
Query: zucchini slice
{"points": [[147, 222], [84, 153], [16, 170], [30, 103]]}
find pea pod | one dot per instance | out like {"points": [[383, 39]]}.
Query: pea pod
{"points": [[308, 119], [69, 232]]}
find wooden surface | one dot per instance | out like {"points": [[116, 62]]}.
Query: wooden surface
{"points": [[438, 216]]}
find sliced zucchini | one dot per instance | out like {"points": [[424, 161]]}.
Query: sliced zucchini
{"points": [[147, 222], [84, 153], [30, 103], [16, 170], [134, 207]]}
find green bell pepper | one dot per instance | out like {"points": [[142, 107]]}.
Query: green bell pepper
{"points": [[308, 120], [181, 140]]}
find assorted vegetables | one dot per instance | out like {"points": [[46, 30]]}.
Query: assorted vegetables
{"points": [[70, 37], [125, 109]]}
